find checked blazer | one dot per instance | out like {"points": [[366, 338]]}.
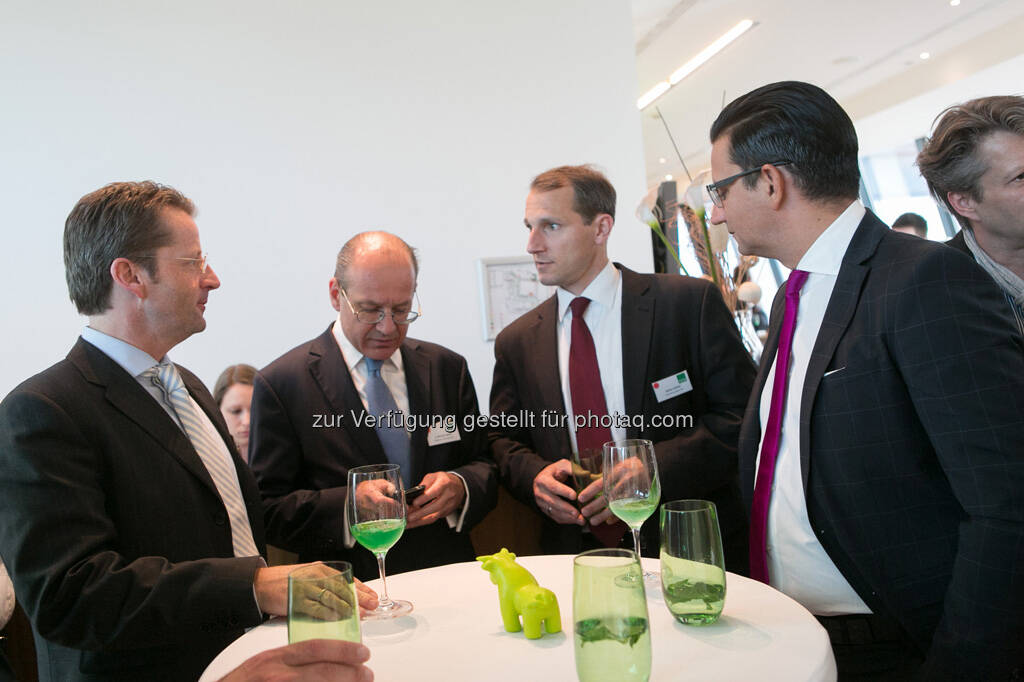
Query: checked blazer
{"points": [[912, 448]]}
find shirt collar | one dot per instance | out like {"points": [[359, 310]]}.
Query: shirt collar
{"points": [[352, 356], [825, 256], [131, 359], [601, 290]]}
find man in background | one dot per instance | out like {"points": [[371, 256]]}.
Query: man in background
{"points": [[974, 164], [911, 223], [659, 351], [881, 449], [309, 421], [130, 526]]}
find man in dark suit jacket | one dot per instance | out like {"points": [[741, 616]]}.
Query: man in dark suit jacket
{"points": [[883, 465], [306, 431], [668, 325], [134, 554]]}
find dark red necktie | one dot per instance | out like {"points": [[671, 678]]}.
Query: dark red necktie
{"points": [[588, 403], [773, 433]]}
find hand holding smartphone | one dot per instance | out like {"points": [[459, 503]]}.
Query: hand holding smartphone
{"points": [[412, 493]]}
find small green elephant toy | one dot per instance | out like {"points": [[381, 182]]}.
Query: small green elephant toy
{"points": [[520, 595]]}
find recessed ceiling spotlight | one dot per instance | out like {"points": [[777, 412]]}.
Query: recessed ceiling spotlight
{"points": [[954, 3], [668, 176], [662, 160], [925, 55]]}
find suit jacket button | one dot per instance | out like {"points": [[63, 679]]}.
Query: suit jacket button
{"points": [[220, 518]]}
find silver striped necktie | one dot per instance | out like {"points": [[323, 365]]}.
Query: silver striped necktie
{"points": [[211, 450]]}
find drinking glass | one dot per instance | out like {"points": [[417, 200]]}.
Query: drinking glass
{"points": [[611, 634], [322, 603], [376, 516], [692, 562], [631, 485]]}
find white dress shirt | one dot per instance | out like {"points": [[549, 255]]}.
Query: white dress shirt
{"points": [[797, 563], [604, 319], [392, 371]]}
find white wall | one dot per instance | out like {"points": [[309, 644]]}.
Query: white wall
{"points": [[293, 126]]}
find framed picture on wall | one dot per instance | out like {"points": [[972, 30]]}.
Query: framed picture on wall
{"points": [[509, 287]]}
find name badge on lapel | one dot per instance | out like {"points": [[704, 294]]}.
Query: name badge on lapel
{"points": [[671, 386], [440, 436]]}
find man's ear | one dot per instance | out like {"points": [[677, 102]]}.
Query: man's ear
{"points": [[964, 204], [130, 276], [604, 223], [777, 185], [335, 289]]}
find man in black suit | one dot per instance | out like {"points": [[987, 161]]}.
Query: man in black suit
{"points": [[130, 525], [307, 426], [974, 164], [668, 358], [883, 463]]}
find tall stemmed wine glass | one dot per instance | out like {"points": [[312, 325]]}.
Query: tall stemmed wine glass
{"points": [[376, 514], [632, 486]]}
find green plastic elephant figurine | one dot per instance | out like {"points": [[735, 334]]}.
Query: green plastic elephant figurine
{"points": [[520, 595]]}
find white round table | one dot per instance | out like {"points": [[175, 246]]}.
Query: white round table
{"points": [[455, 633]]}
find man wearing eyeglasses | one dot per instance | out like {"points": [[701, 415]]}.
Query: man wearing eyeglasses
{"points": [[364, 393], [130, 526], [881, 452]]}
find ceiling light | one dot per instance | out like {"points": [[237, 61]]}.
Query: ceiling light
{"points": [[710, 51], [694, 63], [662, 160], [954, 3], [668, 176], [925, 55], [652, 94]]}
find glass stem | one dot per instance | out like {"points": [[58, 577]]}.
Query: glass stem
{"points": [[384, 602], [636, 541]]}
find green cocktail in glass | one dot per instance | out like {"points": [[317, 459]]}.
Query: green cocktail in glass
{"points": [[631, 485], [378, 536], [376, 517], [322, 603], [692, 563], [611, 633]]}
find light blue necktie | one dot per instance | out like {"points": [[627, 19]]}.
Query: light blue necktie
{"points": [[215, 456], [394, 438]]}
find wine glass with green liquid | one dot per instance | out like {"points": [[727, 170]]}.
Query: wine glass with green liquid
{"points": [[376, 516], [632, 486]]}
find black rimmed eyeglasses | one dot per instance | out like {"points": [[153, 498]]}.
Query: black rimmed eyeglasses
{"points": [[715, 188], [374, 317]]}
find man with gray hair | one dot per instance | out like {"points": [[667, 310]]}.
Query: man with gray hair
{"points": [[974, 164], [310, 421]]}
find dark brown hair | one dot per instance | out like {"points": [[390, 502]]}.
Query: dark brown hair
{"points": [[235, 374], [121, 220], [592, 193]]}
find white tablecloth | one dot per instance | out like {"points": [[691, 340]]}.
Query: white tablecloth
{"points": [[455, 633]]}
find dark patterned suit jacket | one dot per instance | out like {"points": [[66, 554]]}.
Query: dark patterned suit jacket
{"points": [[911, 432], [303, 442], [113, 531], [669, 324]]}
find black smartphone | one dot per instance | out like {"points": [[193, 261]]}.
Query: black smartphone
{"points": [[414, 492]]}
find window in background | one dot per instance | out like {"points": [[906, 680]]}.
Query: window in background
{"points": [[894, 187]]}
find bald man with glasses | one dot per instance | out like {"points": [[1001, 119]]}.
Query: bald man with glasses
{"points": [[310, 421]]}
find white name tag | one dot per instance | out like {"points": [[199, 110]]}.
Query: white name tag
{"points": [[671, 386], [440, 436]]}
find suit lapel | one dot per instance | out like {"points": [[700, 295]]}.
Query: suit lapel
{"points": [[329, 371], [416, 366], [542, 340], [637, 325], [126, 395], [838, 313]]}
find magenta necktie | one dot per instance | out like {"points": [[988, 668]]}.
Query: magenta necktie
{"points": [[587, 400], [772, 433]]}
